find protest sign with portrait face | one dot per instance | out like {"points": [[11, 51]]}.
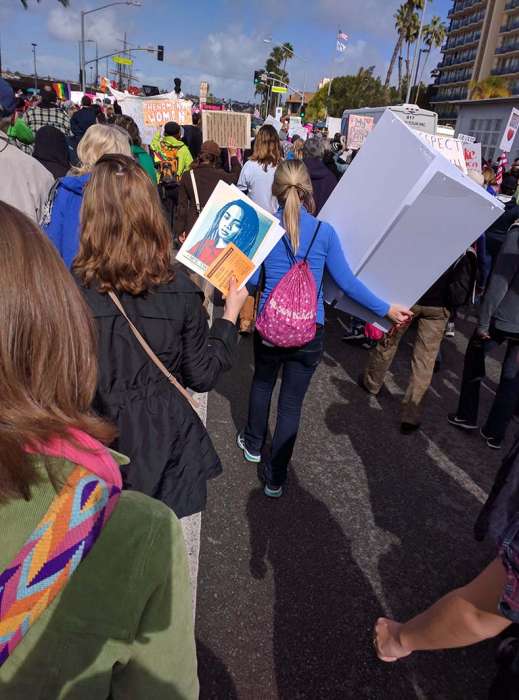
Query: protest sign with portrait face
{"points": [[232, 236]]}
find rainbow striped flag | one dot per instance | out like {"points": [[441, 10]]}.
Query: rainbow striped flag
{"points": [[62, 90]]}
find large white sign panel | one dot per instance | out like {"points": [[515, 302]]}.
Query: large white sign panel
{"points": [[423, 215]]}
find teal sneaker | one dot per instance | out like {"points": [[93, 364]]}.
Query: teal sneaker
{"points": [[273, 492], [249, 456]]}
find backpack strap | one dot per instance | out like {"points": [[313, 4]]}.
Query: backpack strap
{"points": [[291, 252], [312, 241], [195, 190]]}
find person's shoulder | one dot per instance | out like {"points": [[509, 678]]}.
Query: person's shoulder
{"points": [[180, 284], [145, 528], [134, 509], [311, 222]]}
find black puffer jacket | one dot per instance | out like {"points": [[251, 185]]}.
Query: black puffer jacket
{"points": [[171, 454]]}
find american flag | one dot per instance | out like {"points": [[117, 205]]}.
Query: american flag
{"points": [[501, 168], [342, 38]]}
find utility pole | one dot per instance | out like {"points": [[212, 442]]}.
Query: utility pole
{"points": [[35, 72], [82, 53], [97, 65]]}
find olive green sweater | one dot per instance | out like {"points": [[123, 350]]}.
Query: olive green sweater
{"points": [[122, 628]]}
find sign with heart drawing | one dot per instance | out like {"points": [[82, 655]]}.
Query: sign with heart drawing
{"points": [[510, 132]]}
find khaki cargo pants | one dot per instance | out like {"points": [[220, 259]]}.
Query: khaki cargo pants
{"points": [[432, 321]]}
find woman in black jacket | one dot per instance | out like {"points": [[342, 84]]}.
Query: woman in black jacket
{"points": [[125, 248]]}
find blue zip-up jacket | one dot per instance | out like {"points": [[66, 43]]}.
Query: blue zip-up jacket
{"points": [[326, 252], [63, 228]]}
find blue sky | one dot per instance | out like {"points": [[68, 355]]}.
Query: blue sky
{"points": [[216, 40]]}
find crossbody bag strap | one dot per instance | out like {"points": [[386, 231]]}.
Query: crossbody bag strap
{"points": [[153, 357], [195, 190]]}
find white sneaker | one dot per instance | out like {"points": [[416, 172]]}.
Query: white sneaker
{"points": [[450, 330]]}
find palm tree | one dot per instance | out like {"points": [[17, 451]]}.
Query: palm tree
{"points": [[399, 25], [65, 3], [434, 35], [403, 17], [411, 32], [493, 86], [288, 52]]}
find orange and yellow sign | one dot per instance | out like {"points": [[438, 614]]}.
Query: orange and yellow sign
{"points": [[156, 113]]}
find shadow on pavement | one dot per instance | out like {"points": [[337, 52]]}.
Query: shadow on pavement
{"points": [[215, 680], [318, 651]]}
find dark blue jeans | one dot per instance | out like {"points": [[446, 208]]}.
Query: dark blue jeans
{"points": [[299, 365], [507, 394]]}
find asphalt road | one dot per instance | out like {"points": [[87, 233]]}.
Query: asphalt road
{"points": [[372, 523]]}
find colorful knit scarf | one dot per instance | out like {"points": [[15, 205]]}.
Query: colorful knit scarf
{"points": [[63, 538]]}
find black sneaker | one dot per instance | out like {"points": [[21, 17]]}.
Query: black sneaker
{"points": [[461, 422], [354, 335], [491, 442]]}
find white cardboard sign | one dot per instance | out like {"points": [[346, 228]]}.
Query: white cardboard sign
{"points": [[273, 122], [423, 220], [134, 107], [465, 138], [510, 132], [473, 157], [449, 147], [359, 128], [334, 126]]}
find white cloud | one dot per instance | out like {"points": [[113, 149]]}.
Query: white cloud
{"points": [[64, 24], [227, 60]]}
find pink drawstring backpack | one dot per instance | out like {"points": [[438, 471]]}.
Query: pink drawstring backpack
{"points": [[289, 317], [373, 333]]}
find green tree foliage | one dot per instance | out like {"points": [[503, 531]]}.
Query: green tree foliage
{"points": [[491, 87], [350, 92]]}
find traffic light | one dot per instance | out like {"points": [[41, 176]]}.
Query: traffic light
{"points": [[160, 53], [257, 77], [302, 113]]}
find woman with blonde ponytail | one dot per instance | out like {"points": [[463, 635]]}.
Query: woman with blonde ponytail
{"points": [[318, 243]]}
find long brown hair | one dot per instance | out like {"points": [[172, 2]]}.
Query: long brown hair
{"points": [[125, 242], [267, 148], [48, 362], [293, 187]]}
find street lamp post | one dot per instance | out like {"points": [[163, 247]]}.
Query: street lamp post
{"points": [[88, 12], [93, 41], [35, 71]]}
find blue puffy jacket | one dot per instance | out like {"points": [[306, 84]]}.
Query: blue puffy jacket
{"points": [[63, 228]]}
